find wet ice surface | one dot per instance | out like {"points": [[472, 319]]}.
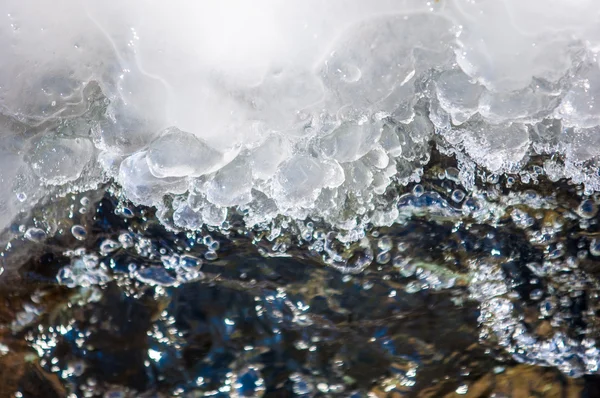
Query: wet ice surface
{"points": [[283, 111], [462, 296]]}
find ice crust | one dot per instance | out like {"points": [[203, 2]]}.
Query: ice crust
{"points": [[296, 108]]}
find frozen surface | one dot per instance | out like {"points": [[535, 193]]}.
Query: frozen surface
{"points": [[297, 108]]}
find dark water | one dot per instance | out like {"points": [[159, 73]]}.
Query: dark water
{"points": [[124, 308]]}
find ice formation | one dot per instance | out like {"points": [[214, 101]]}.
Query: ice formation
{"points": [[296, 109]]}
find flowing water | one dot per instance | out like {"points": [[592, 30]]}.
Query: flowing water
{"points": [[495, 293]]}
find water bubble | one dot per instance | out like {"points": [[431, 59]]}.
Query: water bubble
{"points": [[210, 255], [155, 276], [108, 246], [126, 240], [214, 245], [547, 307], [493, 178], [458, 195], [301, 386], [412, 287], [35, 234], [385, 243], [21, 196], [323, 387], [452, 174], [78, 232], [402, 246], [126, 212], [587, 209], [536, 294], [405, 266], [418, 190], [383, 257], [190, 262]]}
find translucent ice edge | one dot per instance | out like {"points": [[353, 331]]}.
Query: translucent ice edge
{"points": [[290, 109]]}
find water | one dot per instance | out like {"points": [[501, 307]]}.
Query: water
{"points": [[495, 292]]}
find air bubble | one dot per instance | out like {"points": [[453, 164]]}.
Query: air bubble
{"points": [[126, 240], [383, 257], [35, 234], [458, 195], [587, 209], [79, 232], [385, 243], [108, 246], [537, 294], [418, 190], [210, 255]]}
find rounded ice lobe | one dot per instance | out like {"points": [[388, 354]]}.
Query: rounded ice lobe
{"points": [[458, 95], [265, 158], [351, 140], [141, 185], [57, 160], [231, 185], [300, 178], [179, 154]]}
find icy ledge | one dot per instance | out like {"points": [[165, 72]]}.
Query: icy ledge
{"points": [[302, 110]]}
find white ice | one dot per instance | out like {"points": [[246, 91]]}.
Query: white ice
{"points": [[296, 108]]}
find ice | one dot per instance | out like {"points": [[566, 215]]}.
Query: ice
{"points": [[121, 133], [56, 160], [351, 141], [231, 185], [179, 154], [378, 58], [294, 109], [458, 95], [266, 158], [581, 105], [141, 185], [499, 148], [300, 178]]}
